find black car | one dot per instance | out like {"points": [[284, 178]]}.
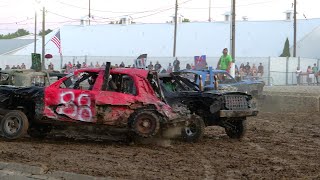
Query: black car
{"points": [[216, 108]]}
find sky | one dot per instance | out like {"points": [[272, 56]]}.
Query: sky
{"points": [[15, 14]]}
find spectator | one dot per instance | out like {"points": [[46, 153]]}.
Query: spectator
{"points": [[236, 70], [116, 66], [188, 66], [315, 72], [192, 67], [70, 65], [164, 70], [91, 65], [23, 66], [247, 68], [254, 70], [122, 65], [225, 61], [7, 67], [241, 73], [103, 65], [260, 70], [150, 66], [176, 65], [170, 68], [298, 75], [157, 67], [13, 67], [18, 67], [78, 65], [84, 65], [310, 75], [97, 64], [50, 66], [242, 66]]}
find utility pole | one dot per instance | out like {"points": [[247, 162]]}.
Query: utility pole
{"points": [[295, 29], [43, 38], [175, 29], [209, 10], [233, 30], [89, 11], [35, 32]]}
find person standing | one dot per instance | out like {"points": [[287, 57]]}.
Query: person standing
{"points": [[315, 72], [260, 70], [176, 65], [310, 75], [298, 75], [225, 61], [170, 68]]}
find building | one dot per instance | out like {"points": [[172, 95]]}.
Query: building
{"points": [[253, 39]]}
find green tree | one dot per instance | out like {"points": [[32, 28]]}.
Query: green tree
{"points": [[18, 33], [46, 32], [186, 20], [286, 49]]}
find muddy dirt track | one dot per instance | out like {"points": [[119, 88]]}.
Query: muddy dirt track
{"points": [[276, 146]]}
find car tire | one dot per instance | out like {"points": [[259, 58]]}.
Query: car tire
{"points": [[14, 125], [194, 131], [145, 124], [238, 130]]}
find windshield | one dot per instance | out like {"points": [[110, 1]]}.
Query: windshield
{"points": [[178, 83]]}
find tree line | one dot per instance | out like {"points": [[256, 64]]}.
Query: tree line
{"points": [[21, 32]]}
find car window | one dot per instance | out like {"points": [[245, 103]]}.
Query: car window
{"points": [[85, 81], [225, 78], [121, 83]]}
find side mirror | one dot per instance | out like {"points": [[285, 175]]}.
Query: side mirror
{"points": [[200, 83]]}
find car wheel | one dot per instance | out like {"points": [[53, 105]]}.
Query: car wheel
{"points": [[194, 131], [236, 129], [145, 124], [14, 125]]}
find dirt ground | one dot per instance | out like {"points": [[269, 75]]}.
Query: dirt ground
{"points": [[276, 146]]}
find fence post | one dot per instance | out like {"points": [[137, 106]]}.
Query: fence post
{"points": [[269, 69], [287, 70]]}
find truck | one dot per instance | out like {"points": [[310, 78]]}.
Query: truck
{"points": [[100, 101], [216, 107]]}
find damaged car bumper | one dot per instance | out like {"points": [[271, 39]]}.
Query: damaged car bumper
{"points": [[238, 113]]}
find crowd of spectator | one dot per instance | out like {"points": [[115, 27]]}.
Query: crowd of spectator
{"points": [[22, 66], [312, 75]]}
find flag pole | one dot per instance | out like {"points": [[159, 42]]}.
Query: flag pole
{"points": [[61, 61]]}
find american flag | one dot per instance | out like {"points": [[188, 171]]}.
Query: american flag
{"points": [[56, 41]]}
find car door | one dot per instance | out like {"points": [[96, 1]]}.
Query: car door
{"points": [[71, 99], [115, 104]]}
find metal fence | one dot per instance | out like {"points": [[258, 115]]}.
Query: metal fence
{"points": [[277, 70]]}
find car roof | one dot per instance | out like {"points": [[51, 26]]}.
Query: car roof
{"points": [[129, 71], [203, 71]]}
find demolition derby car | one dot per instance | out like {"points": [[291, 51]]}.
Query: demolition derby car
{"points": [[216, 108], [97, 100], [28, 77], [225, 80]]}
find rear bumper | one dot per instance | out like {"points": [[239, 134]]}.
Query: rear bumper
{"points": [[238, 113]]}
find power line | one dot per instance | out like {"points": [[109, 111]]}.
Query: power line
{"points": [[18, 22], [107, 11], [220, 7]]}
